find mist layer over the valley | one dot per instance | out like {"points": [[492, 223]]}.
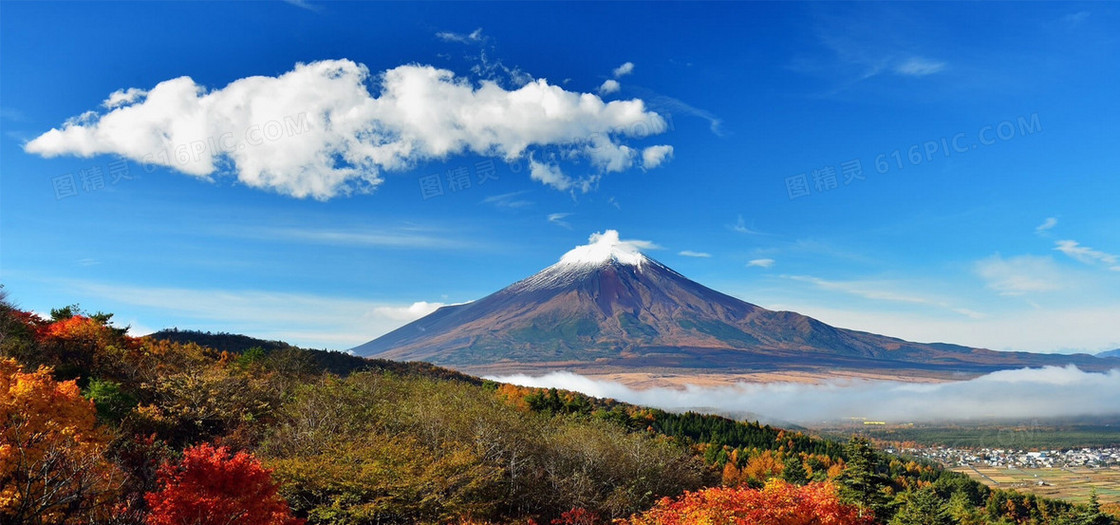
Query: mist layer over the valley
{"points": [[1023, 393]]}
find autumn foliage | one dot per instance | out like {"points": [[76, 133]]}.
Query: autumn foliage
{"points": [[100, 428], [51, 451], [778, 503], [212, 486]]}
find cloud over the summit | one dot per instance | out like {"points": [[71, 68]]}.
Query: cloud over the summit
{"points": [[317, 131]]}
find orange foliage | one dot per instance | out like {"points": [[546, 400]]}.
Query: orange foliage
{"points": [[762, 467], [515, 395], [83, 331], [732, 476], [778, 503], [52, 466]]}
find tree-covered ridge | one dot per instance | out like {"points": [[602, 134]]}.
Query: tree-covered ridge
{"points": [[332, 361], [99, 427]]}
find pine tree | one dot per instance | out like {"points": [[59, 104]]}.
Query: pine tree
{"points": [[861, 483], [793, 470], [922, 507]]}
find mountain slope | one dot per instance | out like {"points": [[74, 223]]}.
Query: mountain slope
{"points": [[606, 306]]}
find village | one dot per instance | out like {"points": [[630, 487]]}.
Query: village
{"points": [[1022, 459]]}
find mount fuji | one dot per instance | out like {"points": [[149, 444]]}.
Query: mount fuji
{"points": [[606, 308]]}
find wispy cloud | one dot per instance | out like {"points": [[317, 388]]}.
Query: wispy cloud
{"points": [[1020, 275], [674, 106], [760, 263], [858, 47], [304, 4], [1088, 255], [741, 227], [690, 253], [1074, 19], [882, 291], [918, 67], [1025, 393], [508, 200], [558, 219], [1046, 225], [353, 237], [623, 70], [304, 319], [462, 38], [12, 115]]}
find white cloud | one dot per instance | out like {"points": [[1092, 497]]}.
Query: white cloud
{"points": [[760, 263], [1020, 275], [549, 175], [123, 97], [1023, 394], [1046, 225], [602, 246], [407, 314], [473, 36], [558, 219], [316, 131], [654, 156], [608, 155], [918, 67], [690, 253], [609, 86], [1088, 255], [623, 70]]}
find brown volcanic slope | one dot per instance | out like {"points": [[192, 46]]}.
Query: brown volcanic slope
{"points": [[619, 312]]}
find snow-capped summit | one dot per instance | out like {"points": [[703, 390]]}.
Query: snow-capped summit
{"points": [[603, 250], [605, 247]]}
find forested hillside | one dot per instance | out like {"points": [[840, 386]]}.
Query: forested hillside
{"points": [[97, 427]]}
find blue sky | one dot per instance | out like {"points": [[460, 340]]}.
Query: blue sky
{"points": [[939, 172]]}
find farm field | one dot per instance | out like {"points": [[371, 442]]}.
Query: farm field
{"points": [[1073, 484]]}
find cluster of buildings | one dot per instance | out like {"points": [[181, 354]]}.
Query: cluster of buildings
{"points": [[997, 457]]}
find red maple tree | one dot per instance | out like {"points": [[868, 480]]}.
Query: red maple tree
{"points": [[211, 486]]}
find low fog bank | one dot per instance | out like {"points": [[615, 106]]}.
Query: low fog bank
{"points": [[1025, 393]]}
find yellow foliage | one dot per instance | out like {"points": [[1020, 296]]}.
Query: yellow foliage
{"points": [[51, 451], [762, 467]]}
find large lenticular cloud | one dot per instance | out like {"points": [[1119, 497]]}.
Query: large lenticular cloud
{"points": [[317, 131], [1019, 394]]}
